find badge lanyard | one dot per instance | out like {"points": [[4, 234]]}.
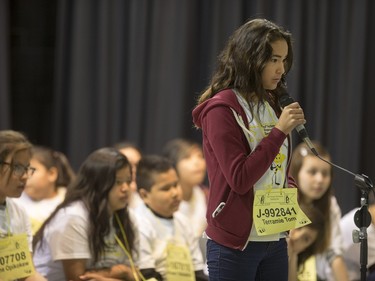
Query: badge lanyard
{"points": [[134, 269]]}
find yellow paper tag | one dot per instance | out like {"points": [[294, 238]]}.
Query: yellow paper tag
{"points": [[35, 225], [15, 258], [277, 210], [308, 270], [179, 263]]}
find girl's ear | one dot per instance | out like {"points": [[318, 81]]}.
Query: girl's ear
{"points": [[53, 174], [143, 193]]}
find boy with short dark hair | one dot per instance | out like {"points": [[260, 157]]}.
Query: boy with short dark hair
{"points": [[168, 249]]}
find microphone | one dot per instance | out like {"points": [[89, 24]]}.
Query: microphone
{"points": [[284, 100], [362, 217], [361, 181]]}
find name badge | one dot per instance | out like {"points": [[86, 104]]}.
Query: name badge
{"points": [[179, 266], [15, 258], [307, 271], [277, 210]]}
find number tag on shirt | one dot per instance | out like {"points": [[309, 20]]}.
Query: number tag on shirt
{"points": [[277, 210], [15, 258], [179, 266], [308, 270]]}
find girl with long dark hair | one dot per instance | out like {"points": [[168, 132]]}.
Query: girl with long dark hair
{"points": [[91, 232]]}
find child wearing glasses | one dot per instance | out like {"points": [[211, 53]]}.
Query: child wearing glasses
{"points": [[15, 230]]}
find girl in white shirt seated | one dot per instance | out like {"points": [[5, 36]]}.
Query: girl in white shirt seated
{"points": [[91, 234], [46, 189], [15, 230]]}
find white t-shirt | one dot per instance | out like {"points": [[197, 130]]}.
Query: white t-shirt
{"points": [[135, 200], [13, 219], [66, 237], [259, 126], [352, 250], [195, 210], [39, 211], [154, 234]]}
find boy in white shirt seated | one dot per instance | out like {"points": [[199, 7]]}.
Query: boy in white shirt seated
{"points": [[168, 250]]}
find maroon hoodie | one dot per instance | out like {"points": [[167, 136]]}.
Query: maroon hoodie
{"points": [[232, 167]]}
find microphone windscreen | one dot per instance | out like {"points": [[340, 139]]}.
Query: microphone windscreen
{"points": [[285, 99]]}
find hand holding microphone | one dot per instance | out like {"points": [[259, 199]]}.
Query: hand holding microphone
{"points": [[292, 115], [287, 103]]}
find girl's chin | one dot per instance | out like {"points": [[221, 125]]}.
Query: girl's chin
{"points": [[17, 194], [317, 196], [271, 88]]}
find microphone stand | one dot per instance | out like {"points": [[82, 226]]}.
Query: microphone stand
{"points": [[362, 217]]}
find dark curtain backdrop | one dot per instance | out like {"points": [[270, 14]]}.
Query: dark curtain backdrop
{"points": [[4, 64], [87, 73]]}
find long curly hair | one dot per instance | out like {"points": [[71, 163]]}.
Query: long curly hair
{"points": [[95, 179], [245, 55]]}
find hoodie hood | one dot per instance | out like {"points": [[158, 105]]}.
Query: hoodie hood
{"points": [[224, 98]]}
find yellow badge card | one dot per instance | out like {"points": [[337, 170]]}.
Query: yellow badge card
{"points": [[15, 258], [307, 271], [179, 263], [35, 225], [277, 210]]}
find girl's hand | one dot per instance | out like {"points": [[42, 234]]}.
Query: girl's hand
{"points": [[96, 277], [291, 116], [117, 272]]}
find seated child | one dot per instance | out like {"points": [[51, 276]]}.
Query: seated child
{"points": [[304, 243], [168, 249], [45, 190], [91, 234], [15, 230], [187, 158]]}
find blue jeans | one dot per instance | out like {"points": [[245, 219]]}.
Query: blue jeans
{"points": [[260, 261]]}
